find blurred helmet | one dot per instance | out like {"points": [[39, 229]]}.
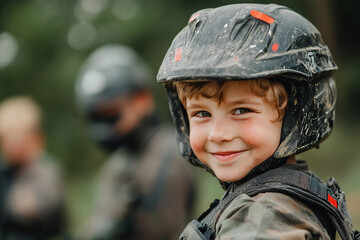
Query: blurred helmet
{"points": [[110, 72], [250, 41]]}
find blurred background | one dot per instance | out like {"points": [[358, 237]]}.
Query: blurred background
{"points": [[44, 42]]}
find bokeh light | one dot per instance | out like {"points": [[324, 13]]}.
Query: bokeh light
{"points": [[8, 48]]}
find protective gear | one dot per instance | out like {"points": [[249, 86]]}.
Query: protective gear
{"points": [[326, 200], [250, 41], [110, 72]]}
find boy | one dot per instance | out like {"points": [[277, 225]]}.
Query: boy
{"points": [[249, 87]]}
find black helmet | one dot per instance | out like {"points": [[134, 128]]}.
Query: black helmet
{"points": [[249, 41], [109, 72]]}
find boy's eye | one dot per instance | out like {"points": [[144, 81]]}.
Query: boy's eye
{"points": [[203, 114], [241, 110]]}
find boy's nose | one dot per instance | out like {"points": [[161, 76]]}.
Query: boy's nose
{"points": [[220, 132]]}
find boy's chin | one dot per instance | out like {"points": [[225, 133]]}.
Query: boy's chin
{"points": [[228, 177]]}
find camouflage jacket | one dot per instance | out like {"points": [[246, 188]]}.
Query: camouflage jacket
{"points": [[268, 215], [143, 195]]}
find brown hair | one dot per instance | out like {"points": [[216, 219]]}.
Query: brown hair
{"points": [[260, 87]]}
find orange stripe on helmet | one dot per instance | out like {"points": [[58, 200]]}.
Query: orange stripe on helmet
{"points": [[262, 16]]}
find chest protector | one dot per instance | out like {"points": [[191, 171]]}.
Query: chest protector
{"points": [[326, 200]]}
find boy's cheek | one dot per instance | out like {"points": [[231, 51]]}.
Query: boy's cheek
{"points": [[193, 142], [196, 144]]}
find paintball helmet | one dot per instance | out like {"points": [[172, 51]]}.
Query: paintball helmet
{"points": [[111, 71], [251, 41]]}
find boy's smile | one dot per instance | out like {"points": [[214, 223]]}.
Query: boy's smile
{"points": [[237, 134]]}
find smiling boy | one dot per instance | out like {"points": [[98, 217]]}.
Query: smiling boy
{"points": [[249, 87], [232, 130]]}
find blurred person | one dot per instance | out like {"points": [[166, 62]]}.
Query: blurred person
{"points": [[31, 194], [145, 189]]}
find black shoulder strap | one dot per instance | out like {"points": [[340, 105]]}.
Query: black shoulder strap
{"points": [[300, 185]]}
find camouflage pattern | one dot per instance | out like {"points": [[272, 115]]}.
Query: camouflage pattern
{"points": [[269, 216], [143, 195], [33, 201]]}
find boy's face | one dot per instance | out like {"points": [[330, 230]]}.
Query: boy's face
{"points": [[236, 135]]}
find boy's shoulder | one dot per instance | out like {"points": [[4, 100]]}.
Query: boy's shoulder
{"points": [[279, 200], [271, 214]]}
